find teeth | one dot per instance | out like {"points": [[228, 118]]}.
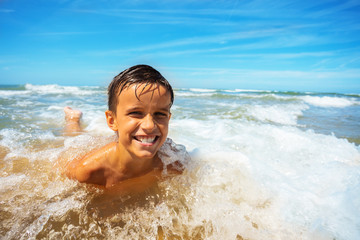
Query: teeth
{"points": [[146, 139]]}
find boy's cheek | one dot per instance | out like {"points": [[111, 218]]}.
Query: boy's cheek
{"points": [[164, 122], [165, 127]]}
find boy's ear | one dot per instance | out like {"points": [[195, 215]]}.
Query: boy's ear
{"points": [[111, 121]]}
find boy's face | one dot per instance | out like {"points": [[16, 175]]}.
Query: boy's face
{"points": [[142, 123]]}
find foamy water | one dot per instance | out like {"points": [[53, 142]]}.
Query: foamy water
{"points": [[264, 165]]}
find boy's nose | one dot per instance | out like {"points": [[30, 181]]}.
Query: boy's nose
{"points": [[148, 123]]}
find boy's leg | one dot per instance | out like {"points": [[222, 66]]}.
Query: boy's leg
{"points": [[72, 121]]}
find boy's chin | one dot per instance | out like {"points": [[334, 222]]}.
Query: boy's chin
{"points": [[145, 155]]}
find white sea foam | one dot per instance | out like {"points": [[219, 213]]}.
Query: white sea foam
{"points": [[10, 93], [54, 107], [280, 113], [193, 94], [321, 171], [97, 123], [22, 144], [12, 139], [11, 181], [253, 174], [57, 89], [171, 152], [24, 103], [52, 88], [250, 90], [202, 90], [329, 101]]}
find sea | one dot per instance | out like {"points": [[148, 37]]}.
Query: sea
{"points": [[263, 165]]}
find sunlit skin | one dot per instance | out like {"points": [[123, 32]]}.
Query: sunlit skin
{"points": [[72, 121], [142, 126]]}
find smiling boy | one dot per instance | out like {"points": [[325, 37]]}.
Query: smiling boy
{"points": [[139, 102]]}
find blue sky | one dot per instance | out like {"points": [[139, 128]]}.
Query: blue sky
{"points": [[255, 44]]}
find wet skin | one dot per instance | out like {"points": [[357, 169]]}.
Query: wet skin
{"points": [[141, 122]]}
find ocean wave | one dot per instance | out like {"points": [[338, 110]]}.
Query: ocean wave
{"points": [[286, 114], [248, 90], [57, 89], [202, 90], [240, 94], [192, 94], [10, 93], [318, 100], [326, 101], [254, 170]]}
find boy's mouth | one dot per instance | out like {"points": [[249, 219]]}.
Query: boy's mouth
{"points": [[146, 139]]}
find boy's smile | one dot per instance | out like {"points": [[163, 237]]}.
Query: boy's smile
{"points": [[146, 140], [141, 120]]}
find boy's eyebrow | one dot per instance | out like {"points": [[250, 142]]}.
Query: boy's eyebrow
{"points": [[133, 108], [140, 107]]}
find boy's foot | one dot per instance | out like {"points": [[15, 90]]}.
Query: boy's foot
{"points": [[72, 115]]}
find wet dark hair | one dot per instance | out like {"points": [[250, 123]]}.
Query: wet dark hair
{"points": [[138, 75]]}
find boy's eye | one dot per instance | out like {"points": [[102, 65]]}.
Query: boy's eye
{"points": [[135, 113], [160, 114]]}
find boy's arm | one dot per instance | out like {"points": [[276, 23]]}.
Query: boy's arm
{"points": [[89, 168]]}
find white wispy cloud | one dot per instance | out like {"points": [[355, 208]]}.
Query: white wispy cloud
{"points": [[235, 73], [280, 55], [195, 41], [159, 16], [349, 61]]}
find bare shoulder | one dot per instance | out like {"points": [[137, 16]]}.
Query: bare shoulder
{"points": [[86, 168]]}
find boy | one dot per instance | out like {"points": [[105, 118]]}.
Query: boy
{"points": [[139, 102]]}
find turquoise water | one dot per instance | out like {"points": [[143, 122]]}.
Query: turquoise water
{"points": [[265, 165]]}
